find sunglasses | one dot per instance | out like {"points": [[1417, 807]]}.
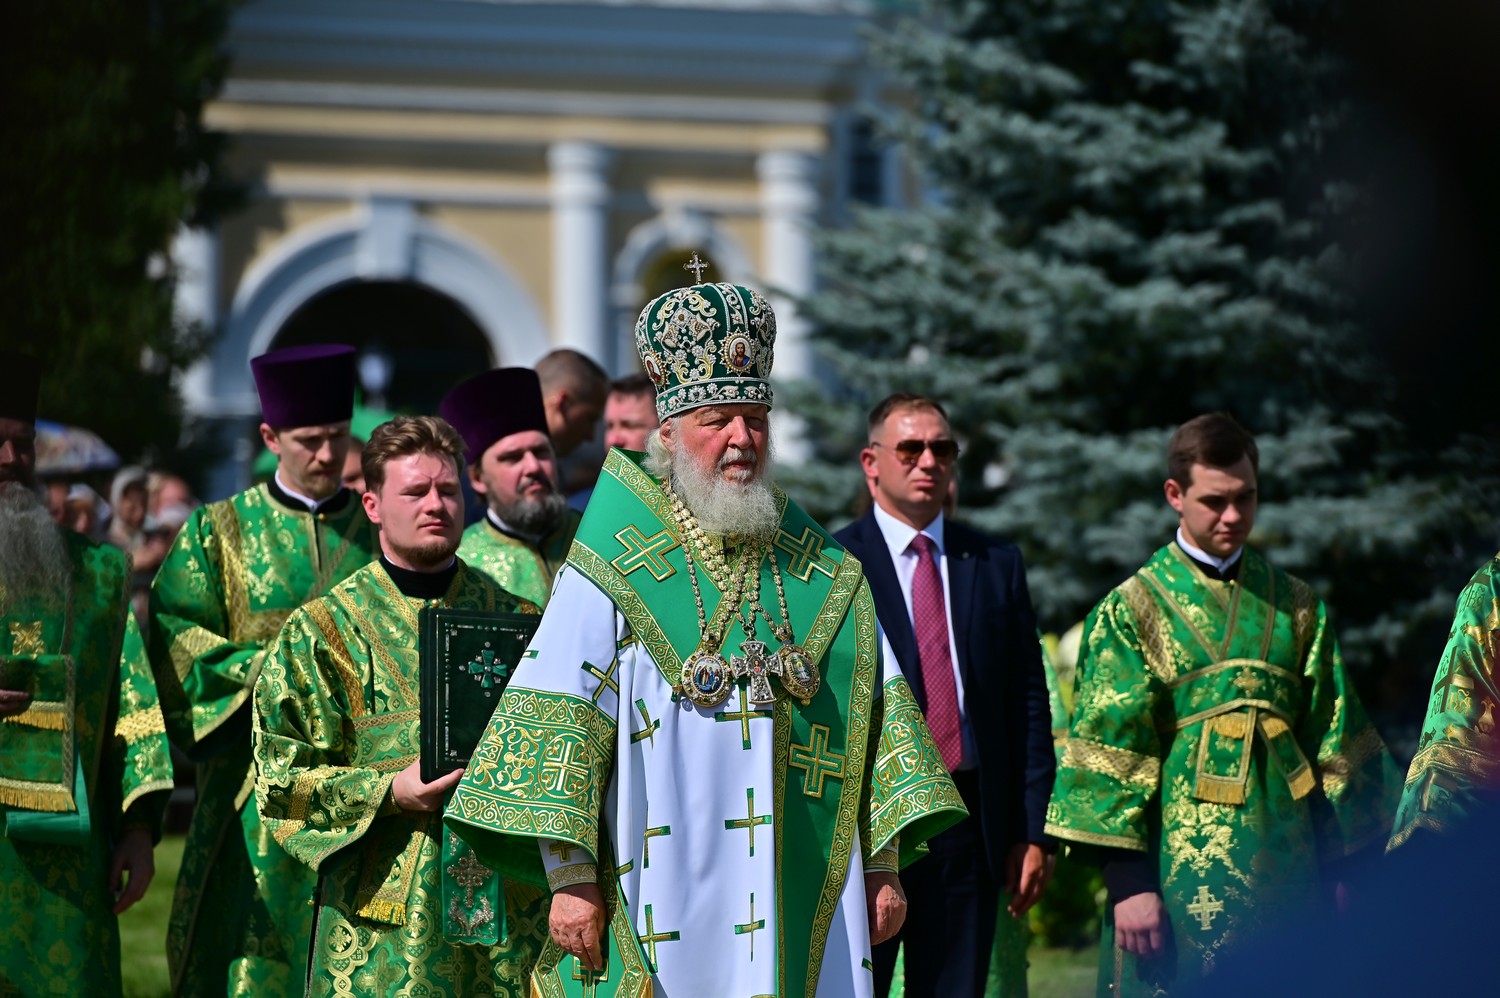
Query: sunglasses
{"points": [[910, 451]]}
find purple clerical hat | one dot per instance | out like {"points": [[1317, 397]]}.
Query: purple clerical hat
{"points": [[20, 383], [305, 386], [495, 404]]}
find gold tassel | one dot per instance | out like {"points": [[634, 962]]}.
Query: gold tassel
{"points": [[1235, 725], [1219, 791], [1301, 782], [55, 801], [47, 716], [383, 910]]}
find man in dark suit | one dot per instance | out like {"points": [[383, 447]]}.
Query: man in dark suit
{"points": [[957, 617]]}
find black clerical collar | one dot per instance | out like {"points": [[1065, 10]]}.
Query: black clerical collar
{"points": [[332, 504], [1228, 573], [420, 585]]}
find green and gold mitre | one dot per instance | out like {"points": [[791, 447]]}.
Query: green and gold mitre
{"points": [[708, 344]]}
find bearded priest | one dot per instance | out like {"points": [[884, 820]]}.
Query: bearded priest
{"points": [[84, 765], [702, 754], [401, 908], [527, 525]]}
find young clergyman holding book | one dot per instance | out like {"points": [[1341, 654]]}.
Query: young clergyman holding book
{"points": [[400, 903]]}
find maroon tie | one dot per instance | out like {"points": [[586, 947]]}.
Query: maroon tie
{"points": [[929, 617]]}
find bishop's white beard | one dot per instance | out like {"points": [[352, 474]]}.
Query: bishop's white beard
{"points": [[744, 508], [33, 554]]}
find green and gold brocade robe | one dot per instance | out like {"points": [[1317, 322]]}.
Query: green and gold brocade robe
{"points": [[85, 762], [515, 565], [1217, 730], [730, 842], [237, 569], [336, 720], [1458, 755]]}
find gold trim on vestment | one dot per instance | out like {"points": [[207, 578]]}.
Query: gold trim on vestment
{"points": [[141, 724], [1122, 764], [1094, 838]]}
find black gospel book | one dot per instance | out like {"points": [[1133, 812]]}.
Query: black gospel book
{"points": [[466, 660]]}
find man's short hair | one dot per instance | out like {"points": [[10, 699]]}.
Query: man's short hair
{"points": [[407, 435], [1214, 439], [900, 402], [571, 370], [632, 385]]}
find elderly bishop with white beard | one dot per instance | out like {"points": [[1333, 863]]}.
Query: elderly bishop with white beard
{"points": [[702, 754]]}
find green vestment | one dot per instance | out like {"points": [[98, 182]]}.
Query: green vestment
{"points": [[1458, 754], [93, 726], [593, 754], [336, 720], [517, 565], [1217, 730], [237, 569]]}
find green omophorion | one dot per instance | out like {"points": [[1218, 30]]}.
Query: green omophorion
{"points": [[87, 760], [402, 910], [1217, 730], [237, 570], [730, 842], [515, 564], [1458, 754]]}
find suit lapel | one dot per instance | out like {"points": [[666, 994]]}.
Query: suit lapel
{"points": [[962, 568], [890, 605]]}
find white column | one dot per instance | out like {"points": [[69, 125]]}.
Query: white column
{"points": [[580, 220], [789, 207], [195, 258]]}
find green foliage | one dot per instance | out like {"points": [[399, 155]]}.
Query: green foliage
{"points": [[106, 155], [1134, 220]]}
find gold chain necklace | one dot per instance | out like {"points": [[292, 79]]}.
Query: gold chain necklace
{"points": [[706, 676]]}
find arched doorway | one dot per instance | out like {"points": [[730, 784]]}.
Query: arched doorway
{"points": [[414, 344]]}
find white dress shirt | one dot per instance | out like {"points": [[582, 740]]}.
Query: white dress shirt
{"points": [[898, 537]]}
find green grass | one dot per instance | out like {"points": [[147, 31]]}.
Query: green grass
{"points": [[143, 929], [1052, 973]]}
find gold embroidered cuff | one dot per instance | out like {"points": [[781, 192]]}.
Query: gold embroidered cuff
{"points": [[573, 873], [888, 859]]}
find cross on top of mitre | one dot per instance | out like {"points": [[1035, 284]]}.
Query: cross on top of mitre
{"points": [[697, 266]]}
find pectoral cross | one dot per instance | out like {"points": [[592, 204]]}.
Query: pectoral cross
{"points": [[484, 668], [758, 667], [697, 266]]}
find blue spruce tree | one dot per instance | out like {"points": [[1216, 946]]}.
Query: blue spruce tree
{"points": [[1134, 216]]}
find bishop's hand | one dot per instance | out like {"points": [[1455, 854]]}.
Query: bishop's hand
{"points": [[885, 902], [577, 923]]}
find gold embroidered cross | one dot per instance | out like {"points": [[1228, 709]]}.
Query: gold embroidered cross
{"points": [[645, 552], [652, 937], [743, 715], [26, 639], [750, 820], [898, 747], [562, 850], [751, 927], [606, 678], [1247, 681], [1204, 907], [816, 761], [697, 266], [806, 554], [589, 980], [649, 731], [564, 767], [652, 833]]}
